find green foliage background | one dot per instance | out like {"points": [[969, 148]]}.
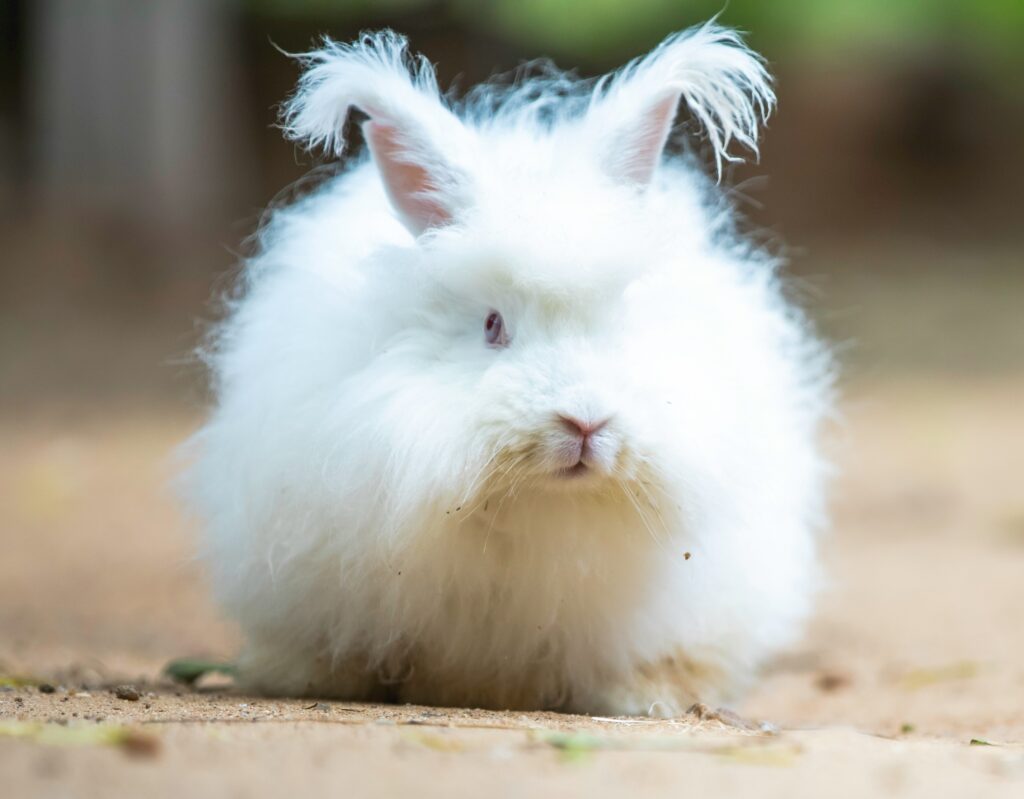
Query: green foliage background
{"points": [[991, 29]]}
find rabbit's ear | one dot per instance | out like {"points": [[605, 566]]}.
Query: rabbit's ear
{"points": [[409, 131], [724, 84]]}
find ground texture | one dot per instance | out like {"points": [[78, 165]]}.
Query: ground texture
{"points": [[910, 682]]}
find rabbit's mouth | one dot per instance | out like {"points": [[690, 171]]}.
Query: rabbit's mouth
{"points": [[579, 470], [579, 450]]}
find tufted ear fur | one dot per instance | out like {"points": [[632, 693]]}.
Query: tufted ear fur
{"points": [[724, 84], [410, 132]]}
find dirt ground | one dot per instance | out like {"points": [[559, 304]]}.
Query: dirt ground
{"points": [[910, 681]]}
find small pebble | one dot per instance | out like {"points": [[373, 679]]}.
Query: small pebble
{"points": [[127, 692], [832, 681], [46, 688], [139, 744]]}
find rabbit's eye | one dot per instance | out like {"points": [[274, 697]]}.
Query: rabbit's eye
{"points": [[494, 330]]}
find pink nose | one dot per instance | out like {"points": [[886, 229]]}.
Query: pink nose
{"points": [[581, 427]]}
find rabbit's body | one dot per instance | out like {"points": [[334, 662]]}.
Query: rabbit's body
{"points": [[609, 509]]}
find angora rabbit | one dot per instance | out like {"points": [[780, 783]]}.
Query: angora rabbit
{"points": [[507, 416]]}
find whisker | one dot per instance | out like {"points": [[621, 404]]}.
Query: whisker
{"points": [[655, 506], [483, 474], [644, 520], [512, 464], [487, 474]]}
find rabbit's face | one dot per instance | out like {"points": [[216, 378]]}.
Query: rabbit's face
{"points": [[548, 404], [543, 353]]}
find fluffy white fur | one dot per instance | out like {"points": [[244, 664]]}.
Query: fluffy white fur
{"points": [[386, 508]]}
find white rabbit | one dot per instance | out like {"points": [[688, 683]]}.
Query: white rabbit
{"points": [[507, 415]]}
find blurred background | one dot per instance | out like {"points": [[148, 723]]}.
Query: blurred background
{"points": [[138, 148]]}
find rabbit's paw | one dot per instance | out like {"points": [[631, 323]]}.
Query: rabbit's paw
{"points": [[665, 688], [274, 670]]}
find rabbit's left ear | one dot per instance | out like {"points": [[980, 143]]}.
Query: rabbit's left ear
{"points": [[724, 84]]}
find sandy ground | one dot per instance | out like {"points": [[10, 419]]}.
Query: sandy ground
{"points": [[917, 649]]}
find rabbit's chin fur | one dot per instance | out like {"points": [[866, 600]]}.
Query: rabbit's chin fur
{"points": [[395, 509]]}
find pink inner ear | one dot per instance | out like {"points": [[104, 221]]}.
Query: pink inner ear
{"points": [[638, 148], [410, 186]]}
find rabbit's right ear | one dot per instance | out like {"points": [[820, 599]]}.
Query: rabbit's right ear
{"points": [[409, 131], [711, 70]]}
